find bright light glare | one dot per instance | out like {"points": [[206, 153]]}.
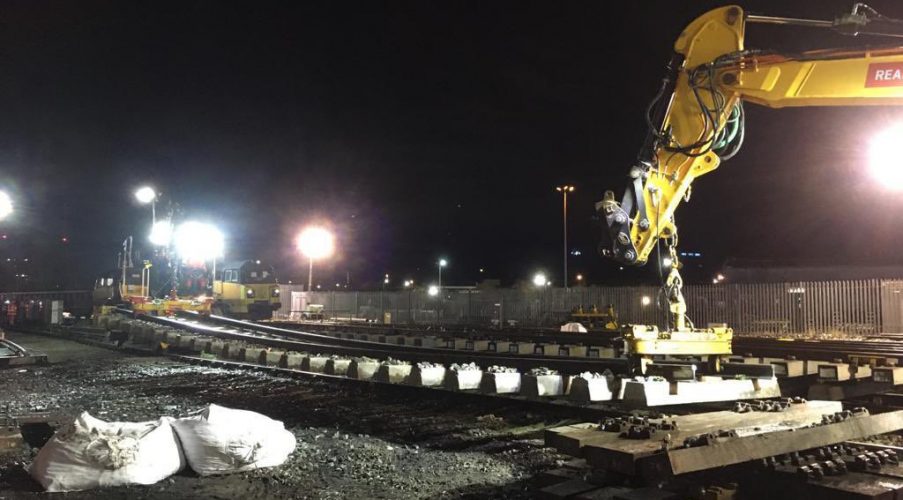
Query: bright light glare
{"points": [[539, 279], [6, 205], [433, 290], [646, 300], [161, 233], [198, 241], [666, 262], [443, 262], [145, 194], [884, 157], [316, 243]]}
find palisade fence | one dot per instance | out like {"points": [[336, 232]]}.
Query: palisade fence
{"points": [[854, 306]]}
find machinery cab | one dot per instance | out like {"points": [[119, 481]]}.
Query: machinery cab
{"points": [[108, 288], [246, 289]]}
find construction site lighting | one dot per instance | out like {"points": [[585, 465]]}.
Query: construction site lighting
{"points": [[539, 279], [198, 241], [433, 290], [6, 206], [145, 194], [884, 157], [161, 233], [316, 242], [646, 300]]}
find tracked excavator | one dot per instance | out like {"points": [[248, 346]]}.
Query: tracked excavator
{"points": [[696, 120]]}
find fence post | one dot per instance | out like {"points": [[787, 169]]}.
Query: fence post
{"points": [[469, 304]]}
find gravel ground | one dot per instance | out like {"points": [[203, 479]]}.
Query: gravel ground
{"points": [[353, 441]]}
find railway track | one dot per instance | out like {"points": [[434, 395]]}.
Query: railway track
{"points": [[540, 335], [890, 351], [282, 338], [879, 347], [885, 349], [271, 346], [335, 338], [253, 335]]}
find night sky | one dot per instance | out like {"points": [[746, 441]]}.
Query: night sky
{"points": [[415, 129]]}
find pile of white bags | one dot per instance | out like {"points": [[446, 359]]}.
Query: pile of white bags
{"points": [[220, 440], [91, 453]]}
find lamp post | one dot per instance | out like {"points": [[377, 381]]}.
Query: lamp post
{"points": [[145, 195], [442, 263], [6, 209], [315, 243], [564, 190]]}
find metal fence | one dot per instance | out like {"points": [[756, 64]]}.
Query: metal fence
{"points": [[853, 306]]}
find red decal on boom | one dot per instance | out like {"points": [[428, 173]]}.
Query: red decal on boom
{"points": [[885, 75]]}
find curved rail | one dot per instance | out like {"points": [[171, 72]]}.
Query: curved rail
{"points": [[302, 341]]}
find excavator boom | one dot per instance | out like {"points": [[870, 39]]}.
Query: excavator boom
{"points": [[696, 120]]}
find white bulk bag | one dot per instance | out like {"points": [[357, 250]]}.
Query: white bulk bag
{"points": [[221, 440], [573, 327], [91, 453]]}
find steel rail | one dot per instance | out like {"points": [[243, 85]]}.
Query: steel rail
{"points": [[818, 350], [520, 334], [311, 342]]}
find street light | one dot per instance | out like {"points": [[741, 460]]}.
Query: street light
{"points": [[315, 243], [564, 190], [884, 157], [145, 195], [539, 279], [442, 263], [6, 205]]}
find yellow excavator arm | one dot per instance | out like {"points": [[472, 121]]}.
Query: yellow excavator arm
{"points": [[696, 120]]}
